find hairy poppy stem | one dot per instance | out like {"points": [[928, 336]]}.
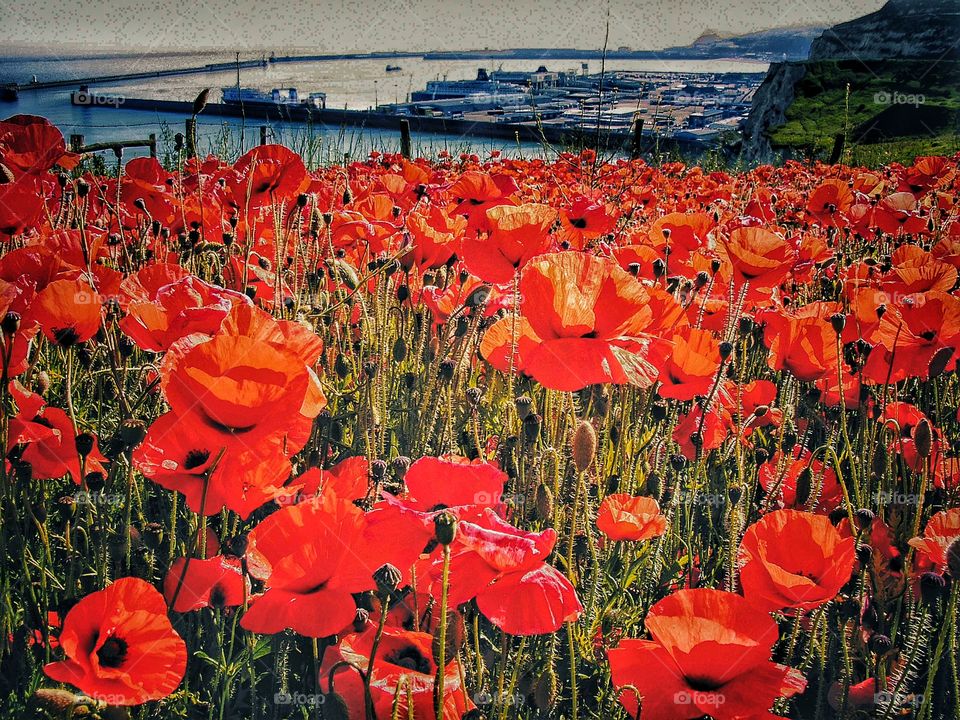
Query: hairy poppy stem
{"points": [[442, 650]]}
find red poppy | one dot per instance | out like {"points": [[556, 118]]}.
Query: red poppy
{"points": [[759, 257], [803, 343], [55, 454], [793, 559], [477, 192], [244, 478], [504, 568], [32, 145], [830, 202], [781, 476], [691, 369], [435, 238], [266, 175], [21, 204], [584, 321], [517, 234], [68, 311], [584, 220], [452, 481], [710, 655], [896, 214], [166, 303], [215, 582], [120, 646], [627, 517], [347, 480], [405, 668], [942, 530]]}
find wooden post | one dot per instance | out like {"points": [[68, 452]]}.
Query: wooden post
{"points": [[405, 138], [837, 153], [191, 137], [76, 142], [637, 138], [263, 134], [153, 144]]}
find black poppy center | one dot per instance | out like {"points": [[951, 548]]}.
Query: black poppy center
{"points": [[112, 653], [578, 223], [411, 658], [218, 598], [66, 337], [195, 458], [701, 684]]}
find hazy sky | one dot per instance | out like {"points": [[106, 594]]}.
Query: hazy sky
{"points": [[363, 25]]}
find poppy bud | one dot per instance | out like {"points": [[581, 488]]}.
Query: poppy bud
{"points": [[659, 268], [789, 440], [725, 349], [734, 494], [545, 690], [634, 269], [838, 321], [474, 395], [524, 406], [399, 349], [153, 535], [658, 410], [10, 323], [83, 189], [932, 586], [84, 443], [863, 517], [881, 311], [714, 266], [584, 445], [446, 369], [938, 363], [42, 383], [864, 555], [378, 469], [543, 502], [445, 527], [880, 644], [837, 515], [59, 703], [923, 438], [370, 369], [701, 279], [531, 427], [869, 619], [132, 432], [335, 707], [400, 465], [388, 579], [125, 346], [953, 559]]}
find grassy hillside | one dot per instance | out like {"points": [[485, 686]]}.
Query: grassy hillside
{"points": [[889, 110]]}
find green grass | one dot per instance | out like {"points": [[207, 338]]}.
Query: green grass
{"points": [[848, 97]]}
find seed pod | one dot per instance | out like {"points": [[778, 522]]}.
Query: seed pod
{"points": [[84, 443], [543, 500], [923, 438], [531, 427], [388, 579], [584, 445], [335, 707], [445, 527], [10, 323], [59, 703], [838, 321], [524, 406], [545, 690]]}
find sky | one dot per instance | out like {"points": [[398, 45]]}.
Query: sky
{"points": [[417, 25]]}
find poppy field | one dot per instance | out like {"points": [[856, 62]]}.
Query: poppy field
{"points": [[476, 438]]}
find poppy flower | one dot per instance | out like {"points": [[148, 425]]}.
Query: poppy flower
{"points": [[691, 369], [248, 384], [435, 238], [626, 517], [214, 582], [941, 531], [265, 175], [68, 312], [21, 204], [830, 201], [793, 559], [349, 479], [802, 343], [584, 321], [709, 655], [32, 145], [120, 646], [896, 214], [54, 454], [682, 233], [517, 234], [504, 568], [584, 220], [245, 477], [404, 670], [165, 303], [476, 192], [758, 257], [794, 480], [451, 481]]}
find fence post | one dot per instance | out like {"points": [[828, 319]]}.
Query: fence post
{"points": [[405, 138], [76, 142], [263, 134], [153, 144], [191, 137], [837, 153], [637, 138]]}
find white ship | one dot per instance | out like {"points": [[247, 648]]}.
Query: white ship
{"points": [[277, 96]]}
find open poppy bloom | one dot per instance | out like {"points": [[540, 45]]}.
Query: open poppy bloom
{"points": [[759, 257], [781, 477], [54, 454], [504, 568], [802, 343], [31, 145], [709, 655], [517, 234], [404, 660], [165, 303], [691, 369], [830, 201], [584, 320], [265, 175], [451, 481], [625, 517], [120, 646], [476, 192], [349, 479], [248, 384], [243, 479], [583, 221], [941, 531], [793, 559], [68, 311], [213, 582]]}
